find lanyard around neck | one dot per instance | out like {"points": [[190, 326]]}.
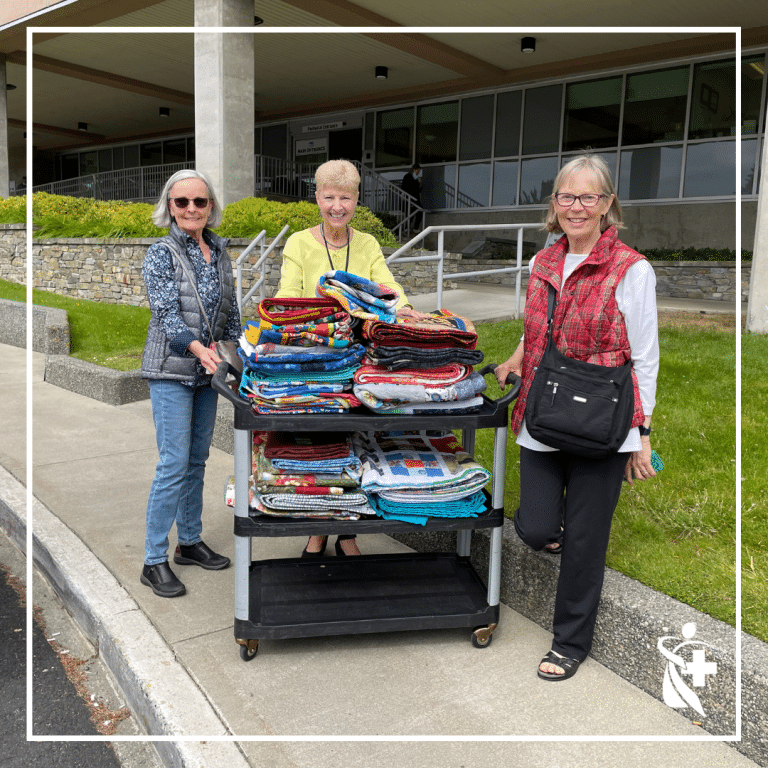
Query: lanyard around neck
{"points": [[322, 231]]}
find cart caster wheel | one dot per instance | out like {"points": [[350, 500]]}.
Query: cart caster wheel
{"points": [[248, 649], [482, 636]]}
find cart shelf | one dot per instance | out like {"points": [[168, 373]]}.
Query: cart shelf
{"points": [[295, 597]]}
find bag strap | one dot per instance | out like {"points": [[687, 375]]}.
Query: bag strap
{"points": [[551, 301], [172, 248]]}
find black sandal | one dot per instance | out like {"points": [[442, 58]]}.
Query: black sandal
{"points": [[569, 667]]}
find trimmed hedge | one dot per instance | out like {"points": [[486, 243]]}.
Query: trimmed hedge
{"points": [[695, 254], [60, 216]]}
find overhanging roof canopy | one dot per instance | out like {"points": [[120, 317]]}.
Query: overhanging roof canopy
{"points": [[116, 82]]}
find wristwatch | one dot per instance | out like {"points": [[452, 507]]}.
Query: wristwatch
{"points": [[644, 431]]}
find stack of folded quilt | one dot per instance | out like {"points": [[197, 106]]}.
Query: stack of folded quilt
{"points": [[307, 475], [416, 475], [420, 366], [360, 297], [299, 357]]}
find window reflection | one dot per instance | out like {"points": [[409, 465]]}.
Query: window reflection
{"points": [[438, 190], [476, 128], [508, 123], [650, 173], [536, 179], [748, 149], [710, 169], [654, 108], [436, 132], [592, 114], [394, 137], [542, 119], [474, 185], [505, 182]]}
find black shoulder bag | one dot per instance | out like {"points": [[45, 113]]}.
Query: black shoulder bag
{"points": [[579, 407]]}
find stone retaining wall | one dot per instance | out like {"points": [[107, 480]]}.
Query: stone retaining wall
{"points": [[110, 271], [710, 280]]}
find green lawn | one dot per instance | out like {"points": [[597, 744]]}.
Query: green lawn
{"points": [[675, 533]]}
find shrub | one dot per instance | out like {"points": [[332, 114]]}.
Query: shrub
{"points": [[61, 216]]}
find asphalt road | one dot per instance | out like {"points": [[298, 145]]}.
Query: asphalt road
{"points": [[57, 709]]}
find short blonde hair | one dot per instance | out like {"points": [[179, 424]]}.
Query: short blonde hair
{"points": [[161, 215], [340, 174], [595, 165]]}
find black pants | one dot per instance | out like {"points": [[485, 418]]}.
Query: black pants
{"points": [[591, 488]]}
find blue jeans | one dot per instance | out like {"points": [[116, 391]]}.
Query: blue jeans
{"points": [[184, 420]]}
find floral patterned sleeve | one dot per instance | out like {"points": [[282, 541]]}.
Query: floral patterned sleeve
{"points": [[233, 328], [163, 296]]}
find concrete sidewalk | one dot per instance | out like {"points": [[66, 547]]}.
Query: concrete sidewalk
{"points": [[180, 669]]}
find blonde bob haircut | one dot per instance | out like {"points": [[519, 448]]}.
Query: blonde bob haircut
{"points": [[596, 166], [161, 216], [337, 174]]}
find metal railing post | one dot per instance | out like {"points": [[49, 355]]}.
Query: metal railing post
{"points": [[441, 254], [519, 273]]}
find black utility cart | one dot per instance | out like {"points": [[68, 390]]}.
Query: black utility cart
{"points": [[310, 597]]}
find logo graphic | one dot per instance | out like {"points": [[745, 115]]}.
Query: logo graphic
{"points": [[677, 693]]}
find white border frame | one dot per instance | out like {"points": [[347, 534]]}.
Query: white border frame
{"points": [[370, 30]]}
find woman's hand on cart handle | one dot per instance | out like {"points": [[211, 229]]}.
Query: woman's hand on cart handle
{"points": [[209, 359], [511, 378], [514, 365]]}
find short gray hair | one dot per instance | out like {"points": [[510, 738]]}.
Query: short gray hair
{"points": [[161, 216], [595, 165]]}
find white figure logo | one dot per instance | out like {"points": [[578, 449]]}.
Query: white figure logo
{"points": [[677, 693]]}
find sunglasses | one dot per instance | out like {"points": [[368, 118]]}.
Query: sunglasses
{"points": [[198, 202]]}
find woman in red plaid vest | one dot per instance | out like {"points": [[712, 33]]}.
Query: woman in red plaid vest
{"points": [[605, 314]]}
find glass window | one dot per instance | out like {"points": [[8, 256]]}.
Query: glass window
{"points": [[257, 141], [274, 141], [88, 163], [370, 123], [474, 185], [437, 127], [152, 154], [105, 160], [748, 160], [710, 169], [592, 114], [476, 128], [752, 74], [650, 173], [713, 100], [654, 106], [505, 182], [191, 148], [394, 137], [175, 151], [438, 190], [508, 123], [117, 158], [541, 131], [70, 167], [132, 156], [609, 157], [537, 177]]}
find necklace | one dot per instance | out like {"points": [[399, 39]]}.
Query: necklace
{"points": [[322, 231]]}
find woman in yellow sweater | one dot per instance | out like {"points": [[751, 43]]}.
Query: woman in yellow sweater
{"points": [[333, 244]]}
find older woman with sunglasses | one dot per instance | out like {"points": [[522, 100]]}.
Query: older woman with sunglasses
{"points": [[191, 292], [605, 315]]}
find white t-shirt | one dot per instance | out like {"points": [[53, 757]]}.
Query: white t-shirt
{"points": [[636, 299]]}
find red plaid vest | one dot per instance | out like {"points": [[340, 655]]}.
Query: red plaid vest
{"points": [[588, 324]]}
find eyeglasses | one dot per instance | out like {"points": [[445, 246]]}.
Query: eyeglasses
{"points": [[566, 200], [198, 202]]}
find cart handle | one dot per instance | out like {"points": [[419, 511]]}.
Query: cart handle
{"points": [[230, 389], [512, 379]]}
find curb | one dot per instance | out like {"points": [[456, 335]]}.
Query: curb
{"points": [[160, 693], [631, 621]]}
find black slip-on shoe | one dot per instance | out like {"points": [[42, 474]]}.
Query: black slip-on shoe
{"points": [[162, 580], [199, 554]]}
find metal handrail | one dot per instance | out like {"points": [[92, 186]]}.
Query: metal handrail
{"points": [[440, 230], [265, 252]]}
